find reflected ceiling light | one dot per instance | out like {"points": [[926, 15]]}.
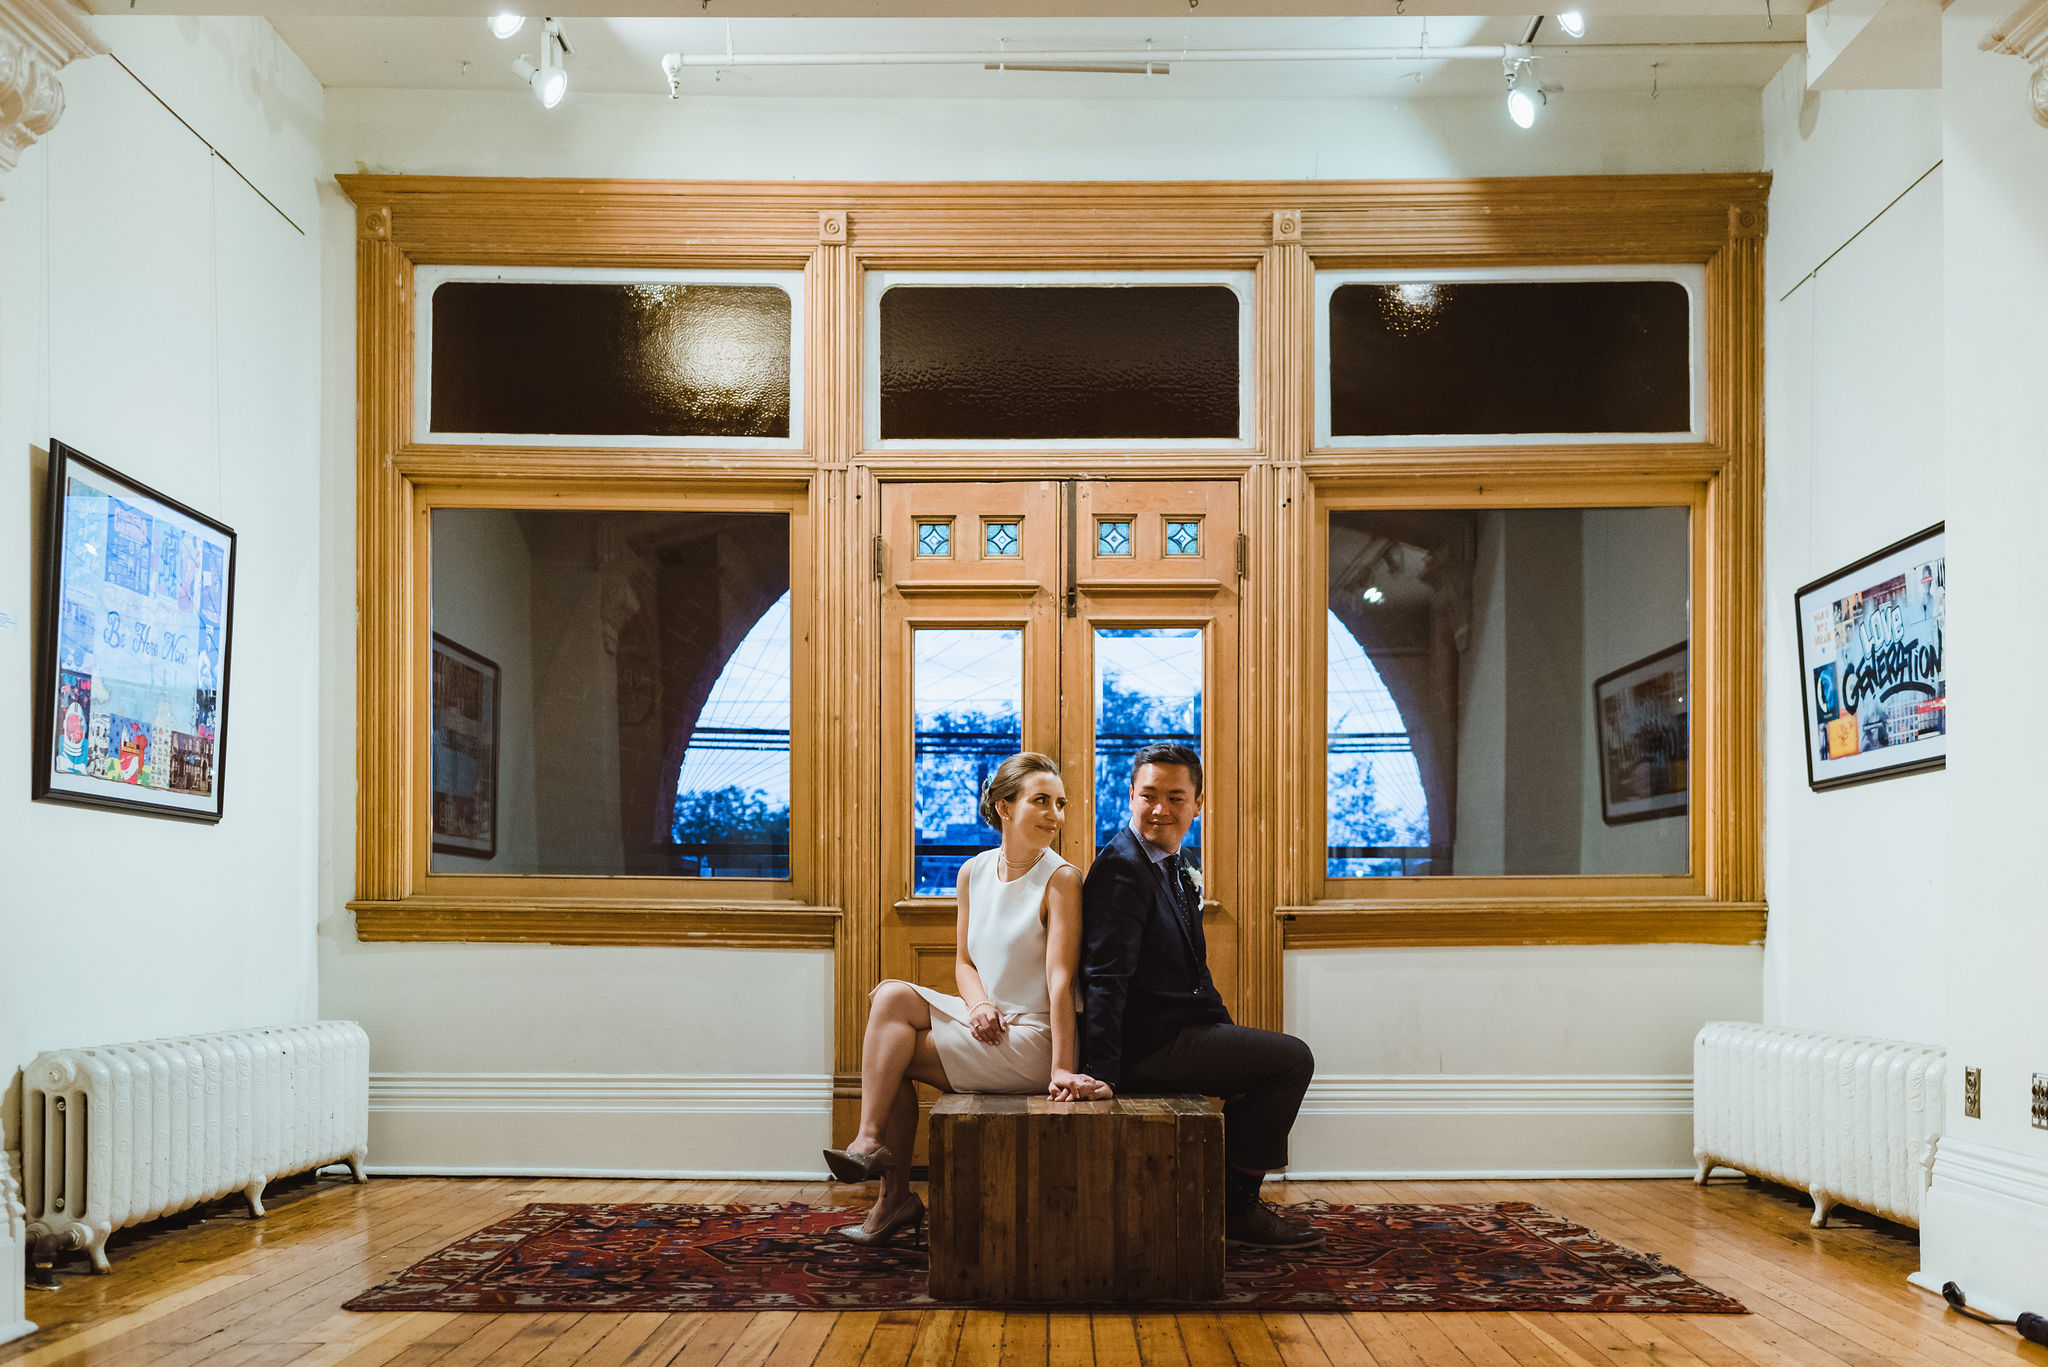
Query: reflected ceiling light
{"points": [[505, 25], [1573, 23], [549, 78], [1372, 594]]}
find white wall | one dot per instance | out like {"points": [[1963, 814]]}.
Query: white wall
{"points": [[1853, 346], [1986, 1222], [1638, 590], [482, 595], [655, 1023], [158, 315]]}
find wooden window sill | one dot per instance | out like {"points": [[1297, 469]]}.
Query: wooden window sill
{"points": [[598, 921], [1522, 921]]}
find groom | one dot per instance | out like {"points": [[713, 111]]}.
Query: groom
{"points": [[1151, 1018]]}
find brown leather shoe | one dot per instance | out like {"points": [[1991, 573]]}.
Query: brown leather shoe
{"points": [[1262, 1226]]}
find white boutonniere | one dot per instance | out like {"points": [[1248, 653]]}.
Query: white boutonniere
{"points": [[1195, 877]]}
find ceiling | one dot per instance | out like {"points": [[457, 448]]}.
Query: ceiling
{"points": [[623, 55]]}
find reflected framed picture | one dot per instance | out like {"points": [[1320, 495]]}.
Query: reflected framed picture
{"points": [[1642, 718], [1870, 659], [465, 751], [132, 657]]}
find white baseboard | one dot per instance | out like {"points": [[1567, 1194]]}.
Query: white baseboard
{"points": [[1984, 1226], [762, 1127], [1422, 1127]]}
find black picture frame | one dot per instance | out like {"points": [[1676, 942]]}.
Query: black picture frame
{"points": [[1894, 603], [1658, 739], [482, 757], [179, 600]]}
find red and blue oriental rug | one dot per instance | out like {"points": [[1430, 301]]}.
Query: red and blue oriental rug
{"points": [[668, 1258]]}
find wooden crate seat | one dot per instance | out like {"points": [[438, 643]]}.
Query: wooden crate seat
{"points": [[1110, 1201]]}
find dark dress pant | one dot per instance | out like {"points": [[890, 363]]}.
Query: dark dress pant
{"points": [[1260, 1074]]}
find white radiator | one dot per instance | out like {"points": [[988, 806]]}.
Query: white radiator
{"points": [[122, 1133], [1853, 1121]]}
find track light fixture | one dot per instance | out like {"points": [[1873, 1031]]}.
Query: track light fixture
{"points": [[505, 25], [1573, 23], [549, 78], [1522, 100]]}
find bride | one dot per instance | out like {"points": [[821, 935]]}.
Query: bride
{"points": [[1011, 1029]]}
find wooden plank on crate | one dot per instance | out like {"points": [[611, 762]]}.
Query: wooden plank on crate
{"points": [[1198, 1177], [1101, 1201]]}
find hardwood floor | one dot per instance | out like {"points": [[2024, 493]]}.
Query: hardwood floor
{"points": [[225, 1291]]}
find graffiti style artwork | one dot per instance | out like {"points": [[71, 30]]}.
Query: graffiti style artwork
{"points": [[1645, 742], [1871, 640], [138, 592], [465, 751]]}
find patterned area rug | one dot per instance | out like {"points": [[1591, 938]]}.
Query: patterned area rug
{"points": [[665, 1258]]}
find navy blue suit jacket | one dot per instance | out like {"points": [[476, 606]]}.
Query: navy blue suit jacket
{"points": [[1144, 968]]}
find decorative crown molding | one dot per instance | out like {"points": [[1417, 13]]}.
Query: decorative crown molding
{"points": [[38, 38], [2024, 34]]}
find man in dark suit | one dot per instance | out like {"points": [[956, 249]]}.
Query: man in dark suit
{"points": [[1152, 1020]]}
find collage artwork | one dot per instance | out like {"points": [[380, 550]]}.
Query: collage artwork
{"points": [[140, 637], [1874, 655]]}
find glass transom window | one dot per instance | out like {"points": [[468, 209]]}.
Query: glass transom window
{"points": [[587, 357], [1503, 357], [1084, 358]]}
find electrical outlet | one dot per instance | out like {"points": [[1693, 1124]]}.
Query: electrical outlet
{"points": [[2041, 1101], [1973, 1093]]}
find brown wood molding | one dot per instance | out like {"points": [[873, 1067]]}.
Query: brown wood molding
{"points": [[1633, 218], [1522, 921], [595, 921]]}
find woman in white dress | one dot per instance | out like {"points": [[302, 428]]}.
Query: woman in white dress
{"points": [[1017, 947]]}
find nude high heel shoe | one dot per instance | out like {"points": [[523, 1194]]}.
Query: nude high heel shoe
{"points": [[859, 1167], [910, 1215]]}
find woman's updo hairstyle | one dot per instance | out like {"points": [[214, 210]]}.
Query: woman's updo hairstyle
{"points": [[1008, 781]]}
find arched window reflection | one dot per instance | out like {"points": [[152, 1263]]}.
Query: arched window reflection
{"points": [[732, 792], [1378, 812]]}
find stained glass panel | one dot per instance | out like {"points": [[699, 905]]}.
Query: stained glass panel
{"points": [[1183, 538], [1000, 540], [1112, 538], [934, 538]]}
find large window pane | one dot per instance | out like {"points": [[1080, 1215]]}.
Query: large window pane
{"points": [[1059, 362], [967, 708], [660, 359], [1148, 687], [641, 666], [1435, 358], [1508, 692]]}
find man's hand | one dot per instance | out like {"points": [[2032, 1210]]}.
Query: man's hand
{"points": [[1066, 1086]]}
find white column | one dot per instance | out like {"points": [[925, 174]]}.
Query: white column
{"points": [[37, 39], [2024, 34]]}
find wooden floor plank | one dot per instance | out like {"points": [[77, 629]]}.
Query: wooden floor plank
{"points": [[214, 1288]]}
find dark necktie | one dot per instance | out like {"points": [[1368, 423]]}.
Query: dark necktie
{"points": [[1176, 873]]}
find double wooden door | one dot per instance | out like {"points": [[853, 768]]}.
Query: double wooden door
{"points": [[1078, 618]]}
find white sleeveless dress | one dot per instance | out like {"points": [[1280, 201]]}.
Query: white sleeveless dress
{"points": [[1006, 940]]}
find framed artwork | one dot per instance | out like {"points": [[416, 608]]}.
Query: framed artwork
{"points": [[1870, 658], [132, 658], [465, 751], [1642, 718]]}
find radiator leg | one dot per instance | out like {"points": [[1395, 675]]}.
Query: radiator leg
{"points": [[355, 1165], [253, 1194], [96, 1249], [1822, 1204], [1704, 1164]]}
